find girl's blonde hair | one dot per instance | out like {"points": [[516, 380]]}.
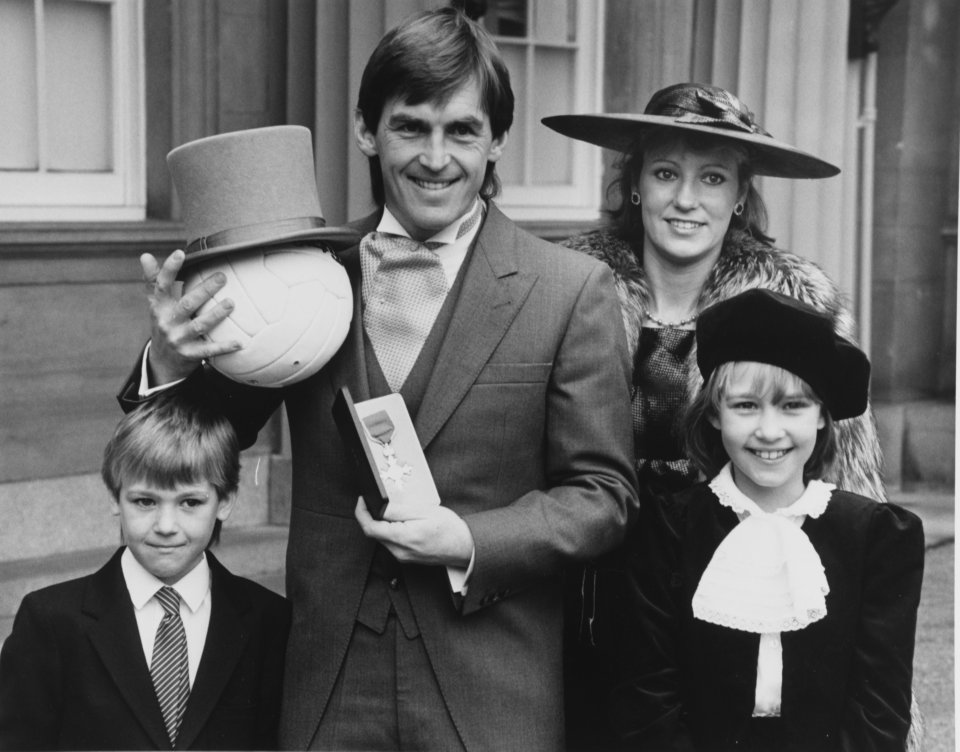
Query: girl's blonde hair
{"points": [[702, 439]]}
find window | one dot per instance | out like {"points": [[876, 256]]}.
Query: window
{"points": [[553, 51], [71, 110]]}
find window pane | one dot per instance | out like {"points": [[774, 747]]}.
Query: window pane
{"points": [[18, 86], [506, 18], [78, 101], [510, 169], [555, 21], [554, 71]]}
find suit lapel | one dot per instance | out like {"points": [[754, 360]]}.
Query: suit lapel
{"points": [[116, 639], [227, 636], [494, 290], [348, 367]]}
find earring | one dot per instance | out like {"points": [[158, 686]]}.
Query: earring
{"points": [[635, 198], [738, 209]]}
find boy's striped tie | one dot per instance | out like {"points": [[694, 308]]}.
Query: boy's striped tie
{"points": [[169, 668]]}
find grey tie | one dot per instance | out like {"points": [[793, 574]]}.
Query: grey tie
{"points": [[169, 668], [403, 290], [404, 287]]}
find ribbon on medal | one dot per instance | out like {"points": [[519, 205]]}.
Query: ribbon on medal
{"points": [[380, 428]]}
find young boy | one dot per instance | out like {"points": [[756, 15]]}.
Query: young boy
{"points": [[161, 648]]}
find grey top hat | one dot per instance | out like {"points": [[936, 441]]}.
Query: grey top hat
{"points": [[695, 108], [250, 189]]}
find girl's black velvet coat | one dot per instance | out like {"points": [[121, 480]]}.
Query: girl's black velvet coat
{"points": [[689, 684]]}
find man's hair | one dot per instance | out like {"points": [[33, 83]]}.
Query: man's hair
{"points": [[626, 217], [703, 441], [429, 58], [178, 437]]}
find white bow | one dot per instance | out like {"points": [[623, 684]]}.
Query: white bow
{"points": [[765, 576]]}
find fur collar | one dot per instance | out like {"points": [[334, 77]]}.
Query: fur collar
{"points": [[745, 263]]}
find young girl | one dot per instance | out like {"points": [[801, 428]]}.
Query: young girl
{"points": [[770, 610]]}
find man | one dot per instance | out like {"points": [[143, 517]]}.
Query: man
{"points": [[518, 386]]}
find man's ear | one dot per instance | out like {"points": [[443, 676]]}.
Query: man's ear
{"points": [[496, 147], [366, 139], [714, 420]]}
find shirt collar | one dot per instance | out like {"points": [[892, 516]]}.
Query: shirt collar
{"points": [[812, 502], [765, 575], [448, 235], [142, 586]]}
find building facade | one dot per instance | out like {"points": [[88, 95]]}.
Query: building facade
{"points": [[84, 187]]}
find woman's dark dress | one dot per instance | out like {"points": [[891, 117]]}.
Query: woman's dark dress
{"points": [[594, 592]]}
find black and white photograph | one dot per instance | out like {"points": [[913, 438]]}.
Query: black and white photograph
{"points": [[478, 375]]}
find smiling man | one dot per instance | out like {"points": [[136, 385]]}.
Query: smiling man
{"points": [[510, 355]]}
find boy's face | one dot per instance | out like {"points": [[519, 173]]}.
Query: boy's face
{"points": [[167, 530]]}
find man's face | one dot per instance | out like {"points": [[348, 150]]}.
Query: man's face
{"points": [[433, 158]]}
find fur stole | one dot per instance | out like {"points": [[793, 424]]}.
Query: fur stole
{"points": [[745, 263]]}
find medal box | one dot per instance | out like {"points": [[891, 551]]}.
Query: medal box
{"points": [[389, 460], [380, 437]]}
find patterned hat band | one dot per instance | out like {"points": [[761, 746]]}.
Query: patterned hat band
{"points": [[703, 106]]}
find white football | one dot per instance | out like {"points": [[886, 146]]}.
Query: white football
{"points": [[292, 311]]}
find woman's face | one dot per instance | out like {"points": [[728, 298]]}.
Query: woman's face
{"points": [[687, 199]]}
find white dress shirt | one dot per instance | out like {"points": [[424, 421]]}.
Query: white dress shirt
{"points": [[195, 601], [454, 249]]}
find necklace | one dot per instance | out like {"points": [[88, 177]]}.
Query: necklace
{"points": [[668, 324]]}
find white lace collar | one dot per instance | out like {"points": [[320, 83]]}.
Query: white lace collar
{"points": [[812, 502], [765, 576]]}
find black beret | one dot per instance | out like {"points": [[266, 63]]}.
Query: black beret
{"points": [[766, 327]]}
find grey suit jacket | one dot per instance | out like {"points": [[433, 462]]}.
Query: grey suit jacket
{"points": [[525, 423]]}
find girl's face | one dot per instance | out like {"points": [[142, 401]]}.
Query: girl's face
{"points": [[687, 198], [769, 433]]}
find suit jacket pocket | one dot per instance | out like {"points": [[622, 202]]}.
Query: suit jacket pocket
{"points": [[515, 373]]}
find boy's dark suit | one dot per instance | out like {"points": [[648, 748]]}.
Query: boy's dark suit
{"points": [[73, 674]]}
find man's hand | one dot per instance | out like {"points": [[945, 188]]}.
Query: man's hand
{"points": [[420, 534], [178, 338]]}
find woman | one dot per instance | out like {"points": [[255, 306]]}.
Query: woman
{"points": [[690, 230]]}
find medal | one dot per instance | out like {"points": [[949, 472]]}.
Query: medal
{"points": [[381, 428]]}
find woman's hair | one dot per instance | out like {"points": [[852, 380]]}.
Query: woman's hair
{"points": [[627, 218], [428, 58], [703, 443], [176, 438]]}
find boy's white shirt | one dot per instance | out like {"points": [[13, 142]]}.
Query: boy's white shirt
{"points": [[195, 602]]}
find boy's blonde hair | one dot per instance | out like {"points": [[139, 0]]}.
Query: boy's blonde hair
{"points": [[178, 437], [703, 442]]}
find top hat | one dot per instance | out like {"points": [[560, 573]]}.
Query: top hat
{"points": [[250, 189], [766, 327], [700, 109]]}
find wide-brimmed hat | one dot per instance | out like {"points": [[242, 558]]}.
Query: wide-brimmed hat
{"points": [[250, 189], [763, 326], [701, 109]]}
